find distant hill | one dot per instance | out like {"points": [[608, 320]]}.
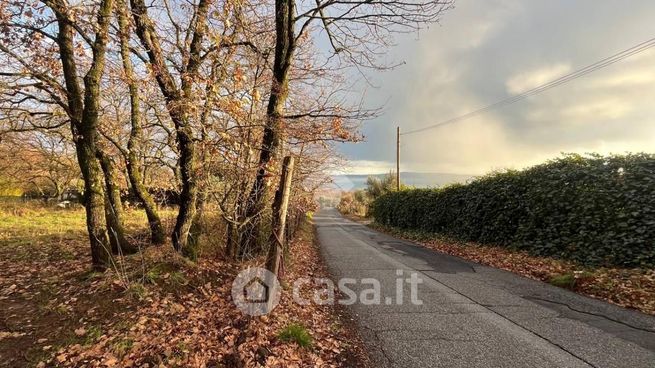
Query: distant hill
{"points": [[415, 179]]}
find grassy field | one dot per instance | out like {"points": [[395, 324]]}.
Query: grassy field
{"points": [[46, 282], [152, 308]]}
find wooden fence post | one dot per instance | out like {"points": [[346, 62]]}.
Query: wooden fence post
{"points": [[280, 205]]}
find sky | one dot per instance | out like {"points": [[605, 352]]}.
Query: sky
{"points": [[485, 51]]}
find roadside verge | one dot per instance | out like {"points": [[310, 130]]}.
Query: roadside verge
{"points": [[632, 288]]}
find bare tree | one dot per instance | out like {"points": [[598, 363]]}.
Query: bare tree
{"points": [[41, 162], [135, 141], [114, 212], [178, 78], [357, 31], [28, 75], [199, 98]]}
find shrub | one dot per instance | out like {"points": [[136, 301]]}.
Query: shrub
{"points": [[353, 203], [357, 202], [593, 210]]}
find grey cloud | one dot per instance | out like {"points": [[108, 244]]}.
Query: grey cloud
{"points": [[467, 61]]}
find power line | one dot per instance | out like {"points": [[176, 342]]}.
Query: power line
{"points": [[546, 86]]}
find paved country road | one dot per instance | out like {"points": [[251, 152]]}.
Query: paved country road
{"points": [[473, 315]]}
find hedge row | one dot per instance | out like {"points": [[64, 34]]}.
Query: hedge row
{"points": [[593, 210]]}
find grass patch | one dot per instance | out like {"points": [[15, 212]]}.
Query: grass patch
{"points": [[137, 291], [566, 281], [165, 271], [122, 347], [570, 280], [90, 275], [159, 271], [153, 275], [296, 333], [178, 278], [92, 334], [87, 337]]}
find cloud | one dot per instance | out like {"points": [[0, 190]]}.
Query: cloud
{"points": [[612, 108], [485, 51], [627, 79], [459, 148], [525, 81], [583, 111], [366, 167]]}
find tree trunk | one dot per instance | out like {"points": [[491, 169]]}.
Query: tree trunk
{"points": [[271, 141], [94, 203], [277, 243], [189, 193], [178, 104], [114, 213], [232, 242], [188, 196], [157, 233], [197, 223], [83, 113], [89, 130]]}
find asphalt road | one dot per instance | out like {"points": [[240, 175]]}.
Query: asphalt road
{"points": [[473, 315]]}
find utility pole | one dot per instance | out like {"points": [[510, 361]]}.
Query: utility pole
{"points": [[398, 158]]}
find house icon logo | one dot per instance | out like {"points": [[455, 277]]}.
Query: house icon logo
{"points": [[256, 291]]}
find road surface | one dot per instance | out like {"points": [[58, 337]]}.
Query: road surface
{"points": [[473, 315]]}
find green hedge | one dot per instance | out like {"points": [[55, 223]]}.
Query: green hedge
{"points": [[593, 210]]}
